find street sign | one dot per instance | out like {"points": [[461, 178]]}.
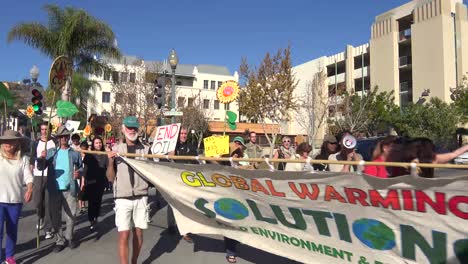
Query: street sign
{"points": [[173, 113]]}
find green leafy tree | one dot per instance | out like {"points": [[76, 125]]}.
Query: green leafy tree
{"points": [[460, 99], [71, 32], [371, 113], [436, 120], [267, 95]]}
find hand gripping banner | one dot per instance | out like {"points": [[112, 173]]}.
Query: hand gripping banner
{"points": [[320, 217]]}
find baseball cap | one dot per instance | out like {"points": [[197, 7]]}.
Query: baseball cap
{"points": [[131, 121], [240, 139]]}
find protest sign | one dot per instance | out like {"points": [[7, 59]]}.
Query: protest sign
{"points": [[216, 145], [320, 217], [165, 139]]}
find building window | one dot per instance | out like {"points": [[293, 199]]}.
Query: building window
{"points": [[124, 77], [115, 76], [213, 85], [107, 75], [205, 84], [180, 102], [132, 77], [216, 104], [190, 102], [179, 83], [105, 97], [206, 103], [219, 84]]}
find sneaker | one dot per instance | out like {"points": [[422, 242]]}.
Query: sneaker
{"points": [[49, 235], [10, 260], [58, 248]]}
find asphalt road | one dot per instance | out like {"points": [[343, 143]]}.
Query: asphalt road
{"points": [[158, 246]]}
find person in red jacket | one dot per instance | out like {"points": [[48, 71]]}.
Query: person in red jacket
{"points": [[380, 154]]}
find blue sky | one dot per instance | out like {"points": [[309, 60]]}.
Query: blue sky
{"points": [[217, 32]]}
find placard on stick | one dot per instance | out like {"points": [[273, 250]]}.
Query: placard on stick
{"points": [[216, 145], [165, 139]]}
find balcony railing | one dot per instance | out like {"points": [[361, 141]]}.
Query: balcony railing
{"points": [[339, 78], [404, 35], [405, 61], [358, 72]]}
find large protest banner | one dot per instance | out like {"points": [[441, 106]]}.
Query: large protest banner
{"points": [[320, 217]]}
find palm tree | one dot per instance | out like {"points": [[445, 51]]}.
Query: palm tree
{"points": [[82, 88], [73, 33]]}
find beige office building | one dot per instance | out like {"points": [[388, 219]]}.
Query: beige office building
{"points": [[417, 50], [420, 46]]}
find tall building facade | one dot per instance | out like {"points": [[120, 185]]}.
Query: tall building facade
{"points": [[416, 50]]}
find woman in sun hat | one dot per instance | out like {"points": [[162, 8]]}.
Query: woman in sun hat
{"points": [[15, 173]]}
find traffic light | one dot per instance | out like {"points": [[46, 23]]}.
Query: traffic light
{"points": [[160, 92], [37, 101]]}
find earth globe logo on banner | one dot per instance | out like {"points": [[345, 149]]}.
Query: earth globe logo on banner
{"points": [[231, 209], [374, 234]]}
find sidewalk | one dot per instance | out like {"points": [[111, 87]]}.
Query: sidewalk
{"points": [[158, 245]]}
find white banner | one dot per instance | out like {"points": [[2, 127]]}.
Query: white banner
{"points": [[320, 217], [165, 139]]}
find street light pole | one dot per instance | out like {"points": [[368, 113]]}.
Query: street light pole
{"points": [[173, 61]]}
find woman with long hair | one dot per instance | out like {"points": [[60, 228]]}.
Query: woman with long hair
{"points": [[380, 154], [329, 146], [15, 173], [95, 167], [422, 150], [302, 153]]}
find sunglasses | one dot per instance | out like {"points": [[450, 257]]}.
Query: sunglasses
{"points": [[333, 143]]}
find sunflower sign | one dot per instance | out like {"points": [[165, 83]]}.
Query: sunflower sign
{"points": [[228, 92]]}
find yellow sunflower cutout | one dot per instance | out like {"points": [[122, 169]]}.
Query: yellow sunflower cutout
{"points": [[228, 92], [108, 128], [87, 130], [30, 111]]}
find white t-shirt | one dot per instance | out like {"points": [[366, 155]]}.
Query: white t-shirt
{"points": [[39, 149], [339, 167], [15, 173]]}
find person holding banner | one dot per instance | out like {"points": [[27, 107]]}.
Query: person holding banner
{"points": [[130, 192], [15, 173], [40, 195], [302, 151], [380, 154], [347, 152], [286, 151], [183, 148]]}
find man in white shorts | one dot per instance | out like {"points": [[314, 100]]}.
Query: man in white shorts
{"points": [[130, 192]]}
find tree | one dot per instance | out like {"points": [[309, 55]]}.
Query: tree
{"points": [[267, 95], [82, 89], [73, 33], [436, 120], [368, 113], [195, 118], [460, 99], [313, 106], [134, 95]]}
